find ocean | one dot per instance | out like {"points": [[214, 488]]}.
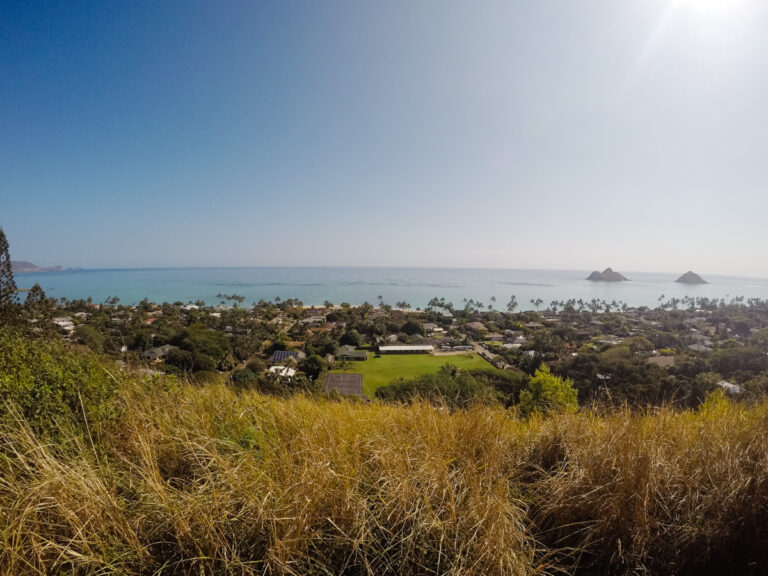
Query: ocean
{"points": [[416, 286]]}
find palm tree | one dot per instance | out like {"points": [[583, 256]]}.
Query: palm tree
{"points": [[512, 304]]}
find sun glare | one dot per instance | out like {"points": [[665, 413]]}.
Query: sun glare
{"points": [[710, 5]]}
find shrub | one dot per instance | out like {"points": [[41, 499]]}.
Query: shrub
{"points": [[49, 384], [244, 378], [548, 393]]}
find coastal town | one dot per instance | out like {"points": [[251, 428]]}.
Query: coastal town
{"points": [[676, 352]]}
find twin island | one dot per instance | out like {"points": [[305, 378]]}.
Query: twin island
{"points": [[610, 275]]}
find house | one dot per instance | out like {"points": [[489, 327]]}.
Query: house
{"points": [[313, 321], [315, 311], [328, 327], [64, 323], [283, 371], [700, 348], [701, 339], [397, 316], [158, 353], [349, 353], [477, 326], [495, 337], [730, 389], [661, 361], [430, 326], [406, 349], [287, 356], [346, 384]]}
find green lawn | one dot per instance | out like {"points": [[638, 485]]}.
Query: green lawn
{"points": [[381, 371]]}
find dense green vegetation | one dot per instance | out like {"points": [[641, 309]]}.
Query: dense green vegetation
{"points": [[7, 283], [50, 387], [546, 393]]}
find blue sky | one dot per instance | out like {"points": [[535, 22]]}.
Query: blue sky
{"points": [[545, 133]]}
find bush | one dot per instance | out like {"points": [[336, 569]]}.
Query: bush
{"points": [[412, 327], [352, 338], [548, 393], [507, 384], [313, 366], [50, 385], [244, 378], [256, 365]]}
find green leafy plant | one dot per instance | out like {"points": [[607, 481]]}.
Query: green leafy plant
{"points": [[548, 393]]}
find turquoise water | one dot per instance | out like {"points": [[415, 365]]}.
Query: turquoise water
{"points": [[357, 285]]}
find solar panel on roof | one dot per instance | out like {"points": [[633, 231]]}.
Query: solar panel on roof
{"points": [[281, 355]]}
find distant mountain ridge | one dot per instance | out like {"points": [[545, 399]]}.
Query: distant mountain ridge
{"points": [[21, 266]]}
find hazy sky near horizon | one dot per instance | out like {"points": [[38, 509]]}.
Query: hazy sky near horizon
{"points": [[535, 134]]}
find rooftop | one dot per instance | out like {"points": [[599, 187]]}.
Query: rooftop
{"points": [[406, 348]]}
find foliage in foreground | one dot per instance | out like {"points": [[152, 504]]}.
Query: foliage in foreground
{"points": [[52, 387], [192, 479], [547, 393]]}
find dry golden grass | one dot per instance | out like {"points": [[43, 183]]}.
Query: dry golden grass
{"points": [[209, 481]]}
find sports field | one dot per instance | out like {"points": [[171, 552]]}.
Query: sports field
{"points": [[381, 371]]}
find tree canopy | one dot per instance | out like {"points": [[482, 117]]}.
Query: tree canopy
{"points": [[547, 392], [7, 284]]}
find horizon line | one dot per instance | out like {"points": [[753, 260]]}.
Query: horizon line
{"points": [[381, 267]]}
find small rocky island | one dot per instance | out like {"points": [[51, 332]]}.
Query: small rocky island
{"points": [[691, 278], [607, 275]]}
